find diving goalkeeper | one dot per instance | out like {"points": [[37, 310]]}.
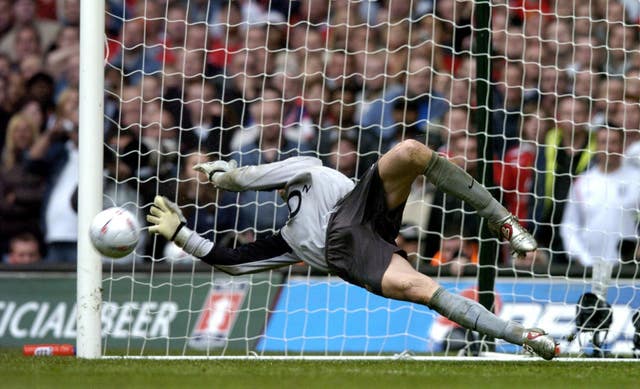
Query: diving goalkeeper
{"points": [[349, 230]]}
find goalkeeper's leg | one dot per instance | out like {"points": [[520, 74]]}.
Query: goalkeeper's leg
{"points": [[401, 165], [403, 282]]}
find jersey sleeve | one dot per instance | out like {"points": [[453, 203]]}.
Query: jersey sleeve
{"points": [[269, 176], [263, 254]]}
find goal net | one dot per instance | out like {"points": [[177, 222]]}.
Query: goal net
{"points": [[557, 139]]}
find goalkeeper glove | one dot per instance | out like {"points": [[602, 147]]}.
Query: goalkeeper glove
{"points": [[211, 169], [167, 219]]}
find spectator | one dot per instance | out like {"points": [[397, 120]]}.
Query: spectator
{"points": [[30, 65], [627, 117], [456, 122], [588, 57], [195, 50], [610, 90], [585, 83], [175, 33], [70, 15], [558, 43], [201, 115], [33, 111], [226, 34], [54, 156], [377, 111], [338, 70], [69, 75], [41, 88], [566, 152], [261, 61], [314, 115], [533, 58], [342, 105], [514, 173], [406, 126], [6, 18], [126, 152], [27, 41], [65, 47], [5, 65], [343, 155], [154, 20], [314, 12], [373, 97], [621, 42], [455, 252], [246, 87], [21, 192], [308, 46], [23, 250], [29, 33], [250, 133], [132, 57], [508, 103], [452, 30], [160, 135], [632, 78], [600, 225], [287, 83], [553, 82], [5, 107]]}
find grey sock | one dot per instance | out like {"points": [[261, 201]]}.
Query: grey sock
{"points": [[452, 180], [474, 316]]}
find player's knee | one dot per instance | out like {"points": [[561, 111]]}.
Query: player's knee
{"points": [[413, 153], [412, 289]]}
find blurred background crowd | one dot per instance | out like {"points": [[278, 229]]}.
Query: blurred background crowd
{"points": [[260, 81]]}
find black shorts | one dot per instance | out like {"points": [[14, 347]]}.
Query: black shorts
{"points": [[361, 234]]}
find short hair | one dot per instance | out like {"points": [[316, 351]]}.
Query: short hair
{"points": [[23, 237]]}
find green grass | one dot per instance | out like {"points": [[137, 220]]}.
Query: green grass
{"points": [[17, 371]]}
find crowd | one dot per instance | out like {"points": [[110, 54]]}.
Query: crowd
{"points": [[260, 81]]}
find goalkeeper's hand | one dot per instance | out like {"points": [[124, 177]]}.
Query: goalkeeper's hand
{"points": [[210, 169], [166, 217]]}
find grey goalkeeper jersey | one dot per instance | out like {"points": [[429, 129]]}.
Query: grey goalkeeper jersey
{"points": [[311, 192]]}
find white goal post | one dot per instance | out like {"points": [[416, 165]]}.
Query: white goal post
{"points": [[89, 272], [165, 84]]}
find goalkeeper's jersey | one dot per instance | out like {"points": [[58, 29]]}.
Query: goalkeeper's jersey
{"points": [[311, 192]]}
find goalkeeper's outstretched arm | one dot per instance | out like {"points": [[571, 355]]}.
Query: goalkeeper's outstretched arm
{"points": [[271, 176], [261, 255]]}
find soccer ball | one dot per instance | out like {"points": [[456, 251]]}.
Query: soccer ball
{"points": [[114, 232]]}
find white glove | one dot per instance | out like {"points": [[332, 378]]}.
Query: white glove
{"points": [[166, 217], [212, 168]]}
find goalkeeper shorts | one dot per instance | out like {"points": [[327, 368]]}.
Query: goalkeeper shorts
{"points": [[361, 234]]}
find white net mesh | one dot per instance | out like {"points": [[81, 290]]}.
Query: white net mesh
{"points": [[261, 81]]}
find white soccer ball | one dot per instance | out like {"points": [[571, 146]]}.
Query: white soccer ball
{"points": [[114, 232]]}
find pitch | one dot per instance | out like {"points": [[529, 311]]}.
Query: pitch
{"points": [[67, 372]]}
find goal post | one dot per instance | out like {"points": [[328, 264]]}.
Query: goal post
{"points": [[91, 111]]}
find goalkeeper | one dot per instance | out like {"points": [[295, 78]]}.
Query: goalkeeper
{"points": [[349, 230]]}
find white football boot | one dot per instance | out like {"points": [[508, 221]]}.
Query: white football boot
{"points": [[519, 238], [537, 341]]}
